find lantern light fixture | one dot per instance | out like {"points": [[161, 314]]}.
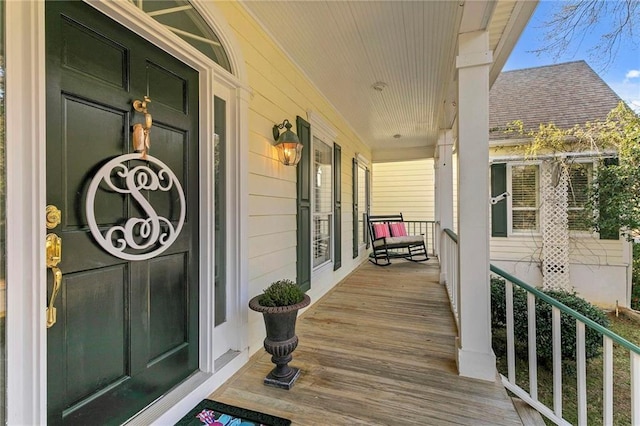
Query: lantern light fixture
{"points": [[287, 143]]}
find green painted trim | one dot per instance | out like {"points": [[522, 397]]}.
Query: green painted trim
{"points": [[567, 310], [553, 302], [355, 208], [499, 212], [337, 206], [451, 234], [303, 208]]}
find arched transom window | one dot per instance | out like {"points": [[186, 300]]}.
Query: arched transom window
{"points": [[181, 18]]}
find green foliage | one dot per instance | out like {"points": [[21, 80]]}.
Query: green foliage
{"points": [[281, 293], [593, 339], [615, 192], [635, 286]]}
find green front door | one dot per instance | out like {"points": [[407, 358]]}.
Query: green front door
{"points": [[127, 328]]}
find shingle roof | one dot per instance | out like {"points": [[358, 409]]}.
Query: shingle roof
{"points": [[565, 94]]}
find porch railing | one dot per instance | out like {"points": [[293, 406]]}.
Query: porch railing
{"points": [[449, 264], [608, 339], [425, 227]]}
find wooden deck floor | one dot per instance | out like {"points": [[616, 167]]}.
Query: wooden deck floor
{"points": [[377, 350]]}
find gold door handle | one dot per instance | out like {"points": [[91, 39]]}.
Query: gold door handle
{"points": [[53, 246], [57, 282]]}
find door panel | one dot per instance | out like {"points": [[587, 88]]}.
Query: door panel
{"points": [[90, 53], [85, 121], [126, 331], [95, 360], [168, 320]]}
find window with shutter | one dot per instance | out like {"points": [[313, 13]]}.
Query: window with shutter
{"points": [[525, 190]]}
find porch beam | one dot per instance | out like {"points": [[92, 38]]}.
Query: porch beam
{"points": [[475, 357]]}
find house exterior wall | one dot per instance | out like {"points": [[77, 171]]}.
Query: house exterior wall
{"points": [[280, 90], [599, 268], [404, 187]]}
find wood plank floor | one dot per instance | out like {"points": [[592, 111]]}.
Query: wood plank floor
{"points": [[376, 350]]}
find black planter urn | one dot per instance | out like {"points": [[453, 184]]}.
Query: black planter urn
{"points": [[281, 340]]}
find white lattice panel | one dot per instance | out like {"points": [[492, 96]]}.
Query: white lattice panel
{"points": [[554, 186]]}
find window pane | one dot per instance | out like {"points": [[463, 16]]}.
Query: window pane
{"points": [[323, 177], [184, 21], [322, 201], [578, 220], [524, 186], [579, 179], [321, 239], [220, 201], [578, 197], [362, 204], [525, 220]]}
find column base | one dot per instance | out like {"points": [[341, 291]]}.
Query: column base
{"points": [[477, 365]]}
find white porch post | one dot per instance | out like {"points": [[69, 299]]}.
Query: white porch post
{"points": [[444, 190], [475, 356]]}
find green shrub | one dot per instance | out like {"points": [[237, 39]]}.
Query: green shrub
{"points": [[281, 293], [544, 335], [635, 286], [498, 303]]}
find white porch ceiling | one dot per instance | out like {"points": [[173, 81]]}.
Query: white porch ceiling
{"points": [[346, 47]]}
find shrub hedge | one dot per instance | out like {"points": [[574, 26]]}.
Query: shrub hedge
{"points": [[544, 336]]}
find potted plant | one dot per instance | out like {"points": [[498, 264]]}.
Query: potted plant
{"points": [[279, 305]]}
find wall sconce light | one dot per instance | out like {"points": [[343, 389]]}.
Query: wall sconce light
{"points": [[287, 143]]}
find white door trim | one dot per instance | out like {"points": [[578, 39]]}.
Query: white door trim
{"points": [[26, 186], [26, 199]]}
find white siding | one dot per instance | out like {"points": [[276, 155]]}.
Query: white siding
{"points": [[599, 268], [280, 91], [404, 187]]}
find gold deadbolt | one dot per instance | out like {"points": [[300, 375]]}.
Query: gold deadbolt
{"points": [[53, 216]]}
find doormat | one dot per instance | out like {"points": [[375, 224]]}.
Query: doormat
{"points": [[214, 413]]}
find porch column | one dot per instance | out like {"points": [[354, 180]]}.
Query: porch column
{"points": [[444, 190], [475, 356]]}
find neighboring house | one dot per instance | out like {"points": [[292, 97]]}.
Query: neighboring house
{"points": [[538, 232], [152, 310], [525, 231]]}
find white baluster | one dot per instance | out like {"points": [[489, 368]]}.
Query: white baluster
{"points": [[557, 361], [607, 381], [511, 357], [582, 374], [533, 358]]}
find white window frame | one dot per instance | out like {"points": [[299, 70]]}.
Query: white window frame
{"points": [[322, 131], [510, 208], [363, 164]]}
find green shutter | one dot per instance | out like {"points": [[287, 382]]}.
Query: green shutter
{"points": [[610, 232], [303, 248], [354, 174], [367, 186], [337, 206], [499, 210]]}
